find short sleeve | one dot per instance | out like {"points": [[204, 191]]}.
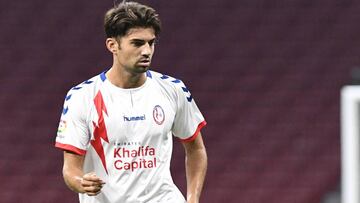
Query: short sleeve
{"points": [[73, 132], [188, 119]]}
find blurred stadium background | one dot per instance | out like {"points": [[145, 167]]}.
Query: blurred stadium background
{"points": [[266, 75]]}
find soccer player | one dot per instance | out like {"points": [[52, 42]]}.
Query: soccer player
{"points": [[116, 128]]}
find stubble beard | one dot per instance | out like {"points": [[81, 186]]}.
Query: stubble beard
{"points": [[141, 69]]}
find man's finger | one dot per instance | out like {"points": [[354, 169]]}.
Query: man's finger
{"points": [[92, 177], [88, 183], [92, 190], [93, 193]]}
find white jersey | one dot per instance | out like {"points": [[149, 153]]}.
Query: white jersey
{"points": [[126, 135]]}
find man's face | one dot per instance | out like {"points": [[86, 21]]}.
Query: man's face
{"points": [[136, 49]]}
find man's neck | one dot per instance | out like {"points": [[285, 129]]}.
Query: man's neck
{"points": [[124, 79]]}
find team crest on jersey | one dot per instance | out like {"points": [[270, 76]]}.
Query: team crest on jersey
{"points": [[158, 115]]}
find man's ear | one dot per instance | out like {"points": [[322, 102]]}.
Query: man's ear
{"points": [[112, 45]]}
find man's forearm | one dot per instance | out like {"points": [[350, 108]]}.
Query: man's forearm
{"points": [[72, 171], [196, 166], [73, 180]]}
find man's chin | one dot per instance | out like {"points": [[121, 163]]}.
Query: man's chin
{"points": [[141, 69]]}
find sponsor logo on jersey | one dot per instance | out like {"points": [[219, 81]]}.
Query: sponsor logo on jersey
{"points": [[158, 115], [134, 118], [130, 159]]}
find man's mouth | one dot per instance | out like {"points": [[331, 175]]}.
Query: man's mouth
{"points": [[145, 62]]}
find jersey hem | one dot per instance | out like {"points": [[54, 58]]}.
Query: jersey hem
{"points": [[70, 148], [193, 137]]}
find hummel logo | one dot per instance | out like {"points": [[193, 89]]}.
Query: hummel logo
{"points": [[134, 118]]}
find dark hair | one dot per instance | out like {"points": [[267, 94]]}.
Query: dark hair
{"points": [[127, 15]]}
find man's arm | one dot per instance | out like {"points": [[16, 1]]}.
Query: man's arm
{"points": [[74, 177], [196, 165]]}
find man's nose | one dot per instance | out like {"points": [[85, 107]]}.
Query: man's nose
{"points": [[146, 50]]}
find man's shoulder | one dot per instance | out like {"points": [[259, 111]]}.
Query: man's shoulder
{"points": [[171, 85], [165, 80], [87, 88]]}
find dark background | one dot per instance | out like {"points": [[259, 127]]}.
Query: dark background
{"points": [[266, 74]]}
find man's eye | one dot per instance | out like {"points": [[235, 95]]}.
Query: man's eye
{"points": [[151, 43], [138, 44]]}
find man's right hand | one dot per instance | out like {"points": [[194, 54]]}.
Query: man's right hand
{"points": [[91, 184]]}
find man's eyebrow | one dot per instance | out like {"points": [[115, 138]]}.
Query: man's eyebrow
{"points": [[142, 40], [137, 40]]}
